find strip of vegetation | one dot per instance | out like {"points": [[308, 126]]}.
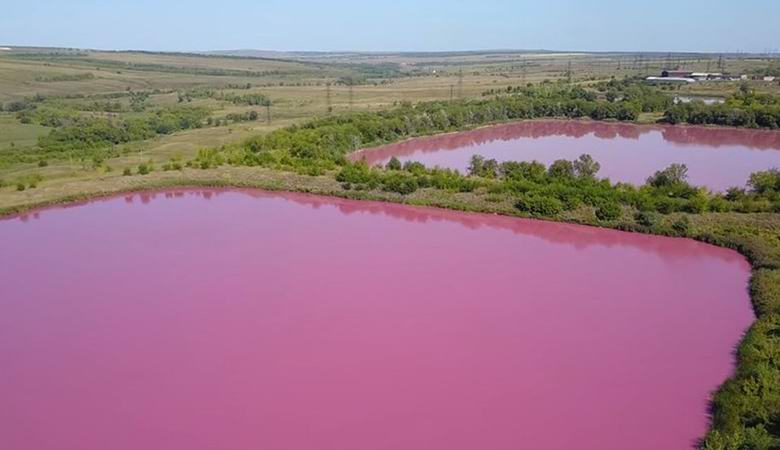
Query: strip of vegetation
{"points": [[65, 77], [743, 109], [99, 132]]}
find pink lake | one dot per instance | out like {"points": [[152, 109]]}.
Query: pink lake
{"points": [[229, 319], [717, 158]]}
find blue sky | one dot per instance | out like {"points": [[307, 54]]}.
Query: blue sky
{"points": [[426, 25]]}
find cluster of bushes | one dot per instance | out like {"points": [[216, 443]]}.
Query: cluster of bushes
{"points": [[403, 179], [567, 185], [753, 116], [248, 116], [333, 137], [65, 77], [148, 167], [48, 115], [321, 145], [27, 182], [744, 109], [641, 96], [98, 132], [254, 99], [745, 408]]}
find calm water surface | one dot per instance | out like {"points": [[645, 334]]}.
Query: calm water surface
{"points": [[717, 158], [245, 320]]}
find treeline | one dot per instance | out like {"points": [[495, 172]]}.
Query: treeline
{"points": [[746, 108], [251, 99], [322, 145], [749, 116], [330, 139], [635, 92], [97, 132], [542, 191], [65, 77]]}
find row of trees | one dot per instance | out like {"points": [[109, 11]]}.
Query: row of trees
{"points": [[745, 108], [333, 137], [97, 132], [567, 185], [750, 116]]}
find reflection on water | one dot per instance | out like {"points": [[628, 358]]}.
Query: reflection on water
{"points": [[717, 157], [206, 319], [576, 236]]}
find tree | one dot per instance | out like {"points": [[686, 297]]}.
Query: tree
{"points": [[765, 182], [394, 164], [586, 167], [481, 167], [475, 165], [674, 174], [561, 169]]}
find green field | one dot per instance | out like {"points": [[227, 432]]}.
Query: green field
{"points": [[300, 87]]}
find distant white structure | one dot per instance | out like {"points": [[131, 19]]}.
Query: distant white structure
{"points": [[678, 76], [671, 79], [5, 49]]}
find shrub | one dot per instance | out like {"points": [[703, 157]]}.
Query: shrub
{"points": [[127, 172], [561, 169], [481, 167], [143, 169], [402, 184], [649, 219], [586, 167], [539, 206], [394, 164], [765, 182], [608, 211], [682, 226], [674, 174]]}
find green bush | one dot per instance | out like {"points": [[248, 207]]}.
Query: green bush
{"points": [[648, 219], [539, 206], [402, 184], [394, 164], [765, 291], [608, 211], [682, 226]]}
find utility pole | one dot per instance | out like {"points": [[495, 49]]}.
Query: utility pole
{"points": [[460, 84], [351, 96], [328, 101], [268, 112], [568, 73], [452, 93]]}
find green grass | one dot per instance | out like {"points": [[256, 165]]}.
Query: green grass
{"points": [[15, 134]]}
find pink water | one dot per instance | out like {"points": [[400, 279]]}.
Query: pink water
{"points": [[246, 320], [717, 158]]}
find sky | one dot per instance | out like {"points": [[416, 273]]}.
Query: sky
{"points": [[395, 25]]}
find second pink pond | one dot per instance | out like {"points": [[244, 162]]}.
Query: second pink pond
{"points": [[717, 158]]}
